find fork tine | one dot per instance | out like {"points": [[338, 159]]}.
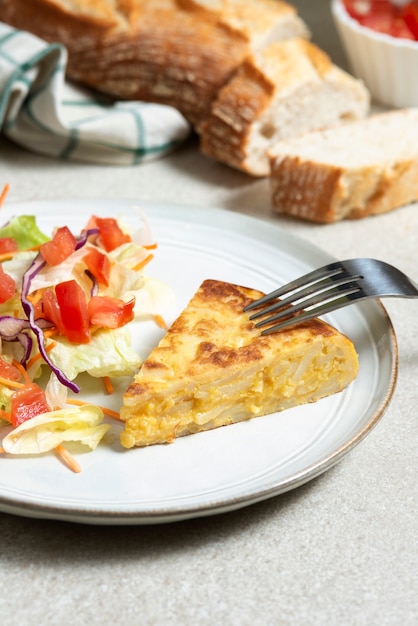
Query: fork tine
{"points": [[326, 297], [304, 316], [329, 288], [322, 287], [321, 273]]}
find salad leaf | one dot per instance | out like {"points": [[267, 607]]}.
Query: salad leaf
{"points": [[24, 317], [155, 298], [45, 432], [25, 231], [5, 396], [108, 353]]}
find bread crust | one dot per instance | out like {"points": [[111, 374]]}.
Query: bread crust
{"points": [[286, 89], [356, 170], [175, 52]]}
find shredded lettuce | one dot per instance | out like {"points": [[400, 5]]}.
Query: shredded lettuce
{"points": [[25, 231], [5, 397], [108, 353], [155, 298], [69, 269], [17, 266], [45, 432]]}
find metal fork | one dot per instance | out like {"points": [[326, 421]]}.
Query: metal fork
{"points": [[330, 288]]}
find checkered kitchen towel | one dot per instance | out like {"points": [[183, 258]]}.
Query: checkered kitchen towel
{"points": [[40, 111]]}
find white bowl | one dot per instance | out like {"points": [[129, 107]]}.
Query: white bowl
{"points": [[387, 65]]}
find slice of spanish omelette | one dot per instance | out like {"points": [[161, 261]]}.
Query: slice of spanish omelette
{"points": [[213, 368]]}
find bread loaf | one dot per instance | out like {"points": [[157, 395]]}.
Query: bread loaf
{"points": [[358, 169], [175, 52], [284, 90]]}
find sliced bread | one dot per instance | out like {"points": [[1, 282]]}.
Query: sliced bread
{"points": [[358, 169], [284, 90]]}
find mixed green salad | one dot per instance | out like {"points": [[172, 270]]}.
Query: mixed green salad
{"points": [[66, 304]]}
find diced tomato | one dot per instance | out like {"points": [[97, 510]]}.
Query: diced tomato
{"points": [[110, 233], [385, 17], [99, 265], [8, 370], [410, 14], [358, 9], [8, 244], [401, 29], [72, 303], [7, 286], [380, 23], [26, 402], [387, 24], [59, 247], [107, 312], [51, 310]]}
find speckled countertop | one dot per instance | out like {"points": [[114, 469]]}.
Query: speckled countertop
{"points": [[339, 551]]}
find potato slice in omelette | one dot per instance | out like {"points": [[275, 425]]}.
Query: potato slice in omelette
{"points": [[213, 368]]}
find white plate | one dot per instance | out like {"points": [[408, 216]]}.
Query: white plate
{"points": [[227, 468]]}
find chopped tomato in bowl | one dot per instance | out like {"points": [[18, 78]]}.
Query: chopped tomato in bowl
{"points": [[386, 17], [380, 39]]}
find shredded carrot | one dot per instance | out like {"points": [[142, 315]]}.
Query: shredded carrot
{"points": [[67, 458], [2, 450], [6, 256], [4, 193], [22, 371], [143, 263], [105, 410], [38, 356], [151, 246], [35, 297], [160, 321], [50, 332], [10, 383], [33, 360], [108, 385]]}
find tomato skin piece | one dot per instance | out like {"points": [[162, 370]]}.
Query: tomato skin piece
{"points": [[99, 265], [8, 370], [7, 286], [111, 234], [60, 247], [410, 15], [107, 312], [8, 244], [72, 303], [51, 310], [26, 402]]}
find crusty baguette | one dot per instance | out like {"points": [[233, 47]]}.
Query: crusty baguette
{"points": [[358, 169], [285, 89], [176, 52]]}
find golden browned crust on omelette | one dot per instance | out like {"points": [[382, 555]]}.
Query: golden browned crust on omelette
{"points": [[214, 368]]}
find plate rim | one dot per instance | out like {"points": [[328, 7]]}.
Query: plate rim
{"points": [[214, 506]]}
